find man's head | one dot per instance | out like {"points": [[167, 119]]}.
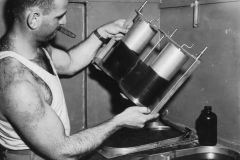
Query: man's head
{"points": [[41, 18], [17, 8]]}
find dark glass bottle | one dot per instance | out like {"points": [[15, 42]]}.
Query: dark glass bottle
{"points": [[206, 126]]}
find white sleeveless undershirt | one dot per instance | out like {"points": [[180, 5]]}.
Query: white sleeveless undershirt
{"points": [[8, 137]]}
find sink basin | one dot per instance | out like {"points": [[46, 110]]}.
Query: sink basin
{"points": [[198, 153], [128, 141]]}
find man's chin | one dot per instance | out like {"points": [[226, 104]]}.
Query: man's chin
{"points": [[51, 37]]}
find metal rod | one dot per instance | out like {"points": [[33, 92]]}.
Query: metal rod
{"points": [[110, 44], [177, 44], [173, 33], [164, 100], [157, 44], [133, 15], [142, 6], [202, 53], [153, 48]]}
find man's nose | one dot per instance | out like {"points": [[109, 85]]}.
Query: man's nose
{"points": [[63, 21]]}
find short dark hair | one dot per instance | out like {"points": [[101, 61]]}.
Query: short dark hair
{"points": [[16, 8]]}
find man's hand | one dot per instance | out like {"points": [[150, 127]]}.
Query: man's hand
{"points": [[114, 29], [135, 117]]}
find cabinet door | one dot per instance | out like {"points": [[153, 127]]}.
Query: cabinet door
{"points": [[73, 87], [216, 81], [2, 22]]}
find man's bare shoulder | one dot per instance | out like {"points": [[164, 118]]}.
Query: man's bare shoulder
{"points": [[18, 91], [11, 70], [13, 74]]}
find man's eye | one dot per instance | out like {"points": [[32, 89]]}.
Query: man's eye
{"points": [[60, 17]]}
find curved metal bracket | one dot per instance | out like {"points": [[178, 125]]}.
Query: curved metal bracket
{"points": [[184, 45]]}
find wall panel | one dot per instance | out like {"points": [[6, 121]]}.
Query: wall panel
{"points": [[216, 81], [74, 87]]}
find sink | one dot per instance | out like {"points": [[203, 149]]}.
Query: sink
{"points": [[126, 141], [198, 153]]}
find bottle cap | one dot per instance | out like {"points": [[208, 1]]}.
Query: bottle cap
{"points": [[208, 108]]}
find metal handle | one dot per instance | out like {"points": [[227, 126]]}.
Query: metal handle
{"points": [[196, 14]]}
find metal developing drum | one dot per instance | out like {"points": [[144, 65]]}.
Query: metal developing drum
{"points": [[139, 35], [123, 56], [147, 88], [153, 82], [169, 61], [120, 61], [134, 75]]}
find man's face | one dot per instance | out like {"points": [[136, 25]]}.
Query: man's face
{"points": [[52, 21]]}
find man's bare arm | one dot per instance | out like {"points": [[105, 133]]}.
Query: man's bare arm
{"points": [[83, 53], [41, 129]]}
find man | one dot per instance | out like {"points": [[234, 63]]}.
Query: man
{"points": [[33, 115]]}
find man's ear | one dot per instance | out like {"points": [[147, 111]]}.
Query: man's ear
{"points": [[33, 20]]}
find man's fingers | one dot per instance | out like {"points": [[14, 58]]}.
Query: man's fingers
{"points": [[120, 22], [144, 110], [152, 116], [123, 30]]}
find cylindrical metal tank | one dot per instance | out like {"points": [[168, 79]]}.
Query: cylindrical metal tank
{"points": [[153, 82], [123, 57], [169, 61], [120, 61], [139, 35]]}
